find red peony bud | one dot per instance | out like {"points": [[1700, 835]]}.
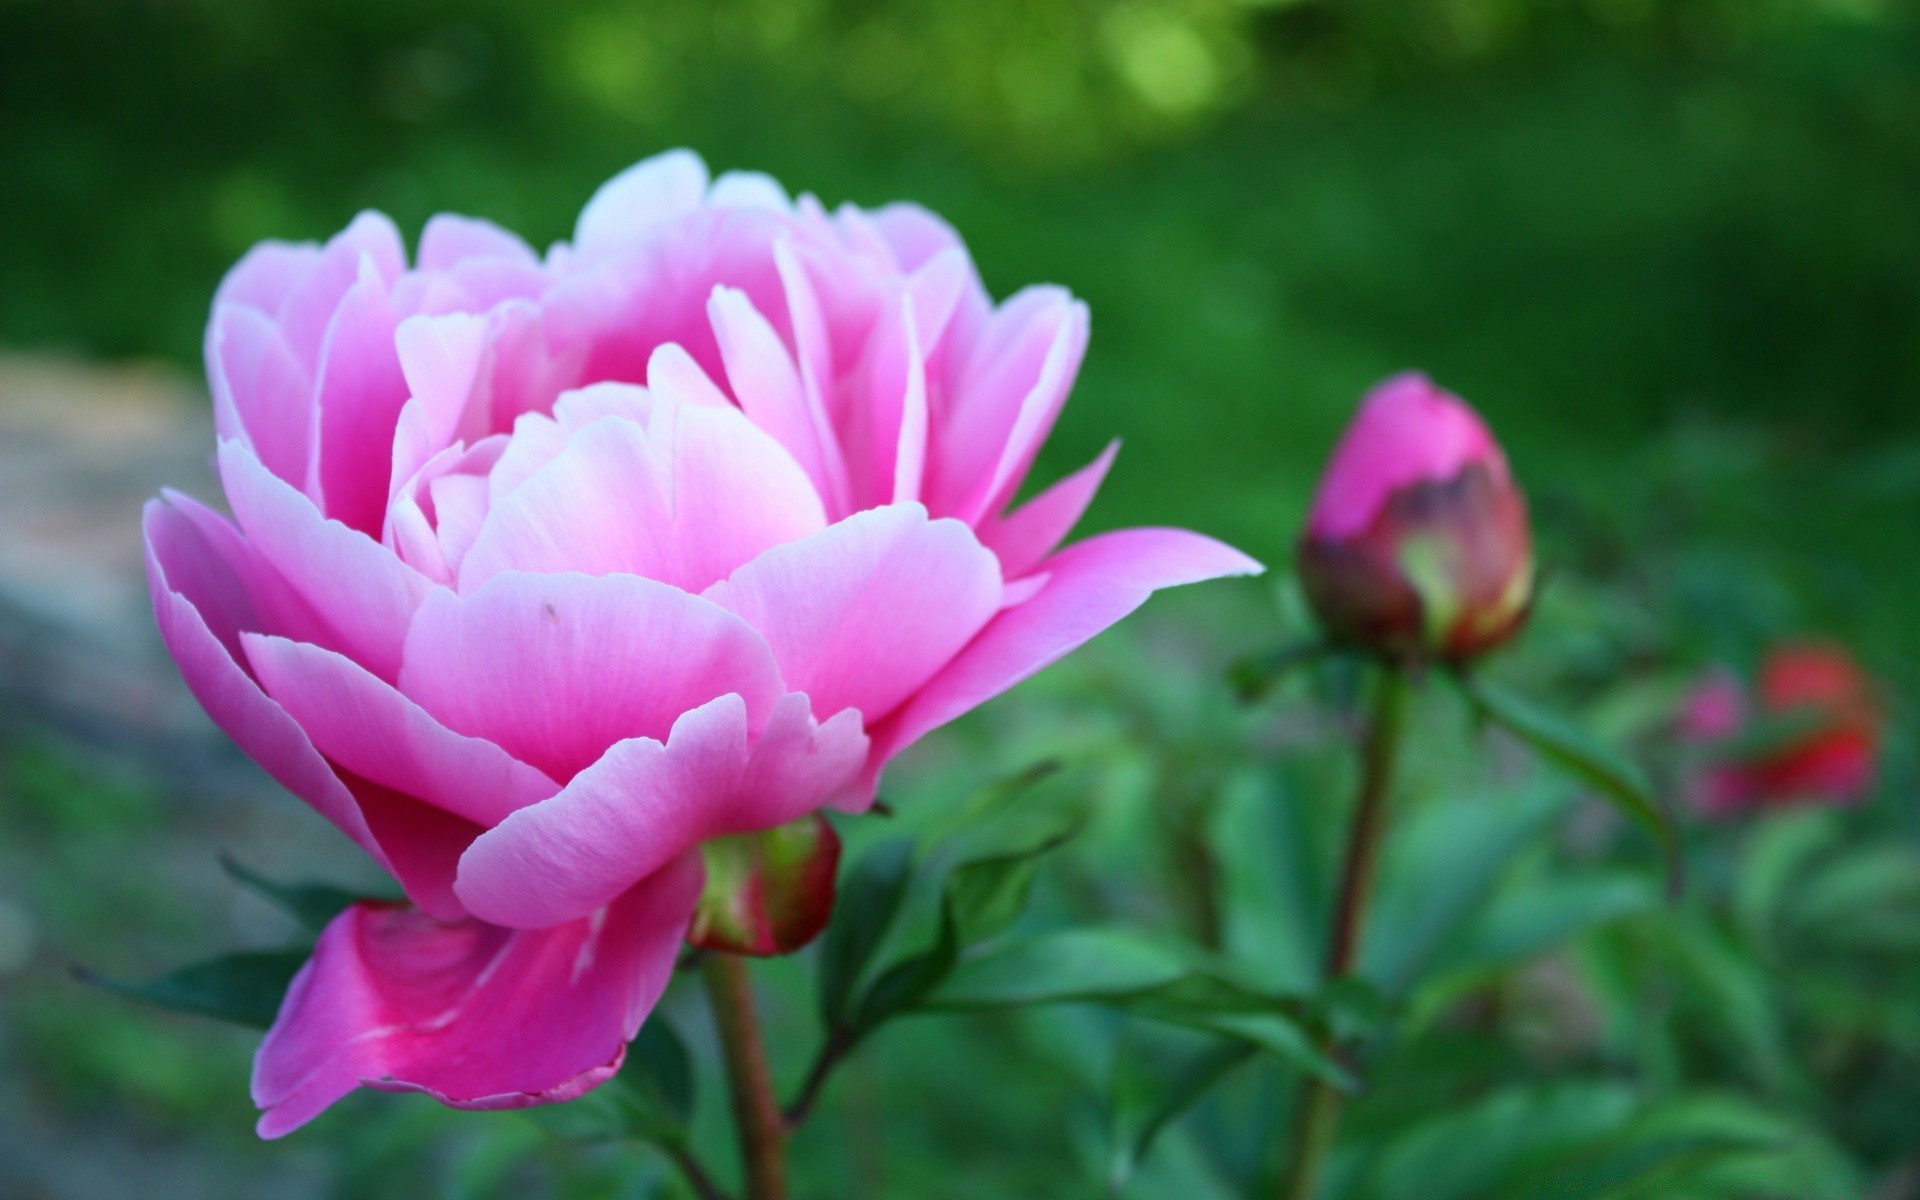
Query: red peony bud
{"points": [[1418, 545], [770, 892], [1813, 736]]}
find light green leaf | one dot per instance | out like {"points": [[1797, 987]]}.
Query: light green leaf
{"points": [[1609, 773]]}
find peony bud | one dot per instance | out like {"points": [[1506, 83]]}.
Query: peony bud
{"points": [[1418, 545], [769, 892], [1813, 737]]}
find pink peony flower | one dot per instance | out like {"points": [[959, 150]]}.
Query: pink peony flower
{"points": [[1812, 736], [543, 571], [1418, 544]]}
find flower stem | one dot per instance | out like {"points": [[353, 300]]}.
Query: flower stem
{"points": [[756, 1112], [1319, 1113]]}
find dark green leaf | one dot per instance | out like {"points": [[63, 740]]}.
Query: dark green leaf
{"points": [[243, 988], [905, 984], [1140, 1118], [984, 895], [1617, 779], [659, 1072], [1256, 675], [311, 904], [1122, 969], [869, 898]]}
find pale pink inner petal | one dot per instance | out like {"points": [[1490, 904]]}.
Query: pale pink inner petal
{"points": [[557, 668], [864, 612], [685, 499]]}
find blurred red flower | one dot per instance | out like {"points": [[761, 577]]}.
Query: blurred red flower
{"points": [[1809, 735]]}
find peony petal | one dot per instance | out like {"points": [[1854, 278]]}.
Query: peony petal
{"points": [[749, 189], [361, 724], [198, 568], [474, 1015], [864, 612], [997, 382], [360, 588], [1038, 411], [1024, 537], [1091, 585], [266, 275], [688, 498], [262, 395], [556, 668], [450, 240], [813, 355], [308, 307], [358, 395], [766, 381], [673, 376], [632, 203], [441, 359], [644, 804]]}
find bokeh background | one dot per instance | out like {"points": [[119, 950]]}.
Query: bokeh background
{"points": [[1670, 248]]}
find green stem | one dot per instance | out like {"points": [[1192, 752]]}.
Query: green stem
{"points": [[756, 1112], [1319, 1113]]}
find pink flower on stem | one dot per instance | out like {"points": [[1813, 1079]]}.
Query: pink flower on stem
{"points": [[1418, 545], [1810, 736], [544, 571]]}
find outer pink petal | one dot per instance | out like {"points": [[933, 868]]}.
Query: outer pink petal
{"points": [[364, 726], [644, 804], [1090, 586], [630, 205], [262, 395], [358, 393], [472, 1014], [307, 308], [267, 274], [1027, 535], [1014, 376], [363, 591], [198, 570], [685, 500], [556, 668], [450, 239], [863, 613]]}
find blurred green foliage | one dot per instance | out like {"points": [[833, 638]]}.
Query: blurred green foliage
{"points": [[1670, 247], [1599, 220]]}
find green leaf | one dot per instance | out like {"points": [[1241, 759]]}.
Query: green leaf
{"points": [[1122, 969], [1256, 675], [314, 905], [245, 989], [1780, 852], [1059, 968], [906, 983], [869, 899], [1142, 1113], [985, 895], [982, 894], [1443, 868], [1595, 764]]}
